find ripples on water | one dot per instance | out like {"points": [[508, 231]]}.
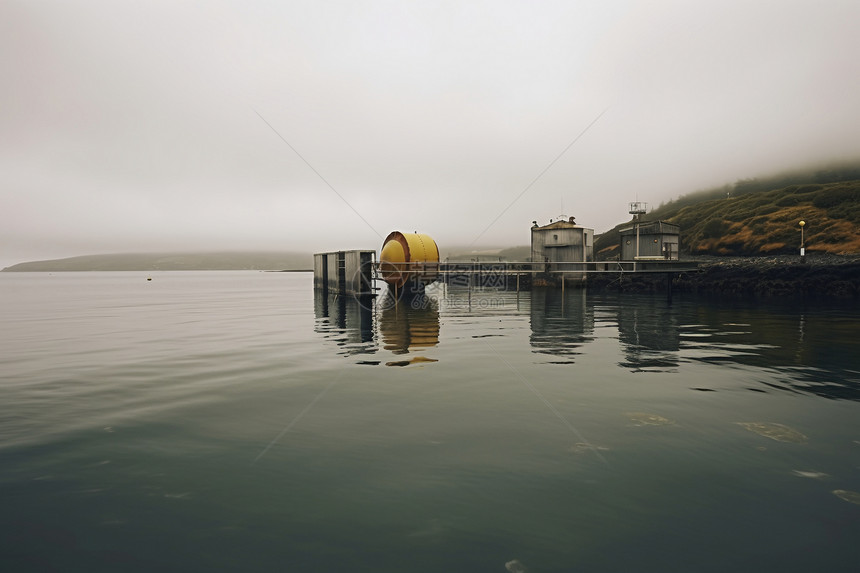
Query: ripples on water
{"points": [[240, 421]]}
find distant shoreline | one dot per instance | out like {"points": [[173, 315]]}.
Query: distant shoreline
{"points": [[8, 270], [819, 275], [154, 262]]}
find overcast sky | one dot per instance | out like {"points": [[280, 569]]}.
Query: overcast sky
{"points": [[178, 125]]}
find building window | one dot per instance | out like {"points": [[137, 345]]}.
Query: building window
{"points": [[628, 241], [555, 237]]}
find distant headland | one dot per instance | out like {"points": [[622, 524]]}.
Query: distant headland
{"points": [[212, 261]]}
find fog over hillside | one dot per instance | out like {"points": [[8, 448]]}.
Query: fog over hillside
{"points": [[223, 126]]}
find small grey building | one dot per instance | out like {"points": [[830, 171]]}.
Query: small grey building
{"points": [[649, 240], [561, 242]]}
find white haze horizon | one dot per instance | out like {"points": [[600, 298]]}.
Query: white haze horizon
{"points": [[319, 126]]}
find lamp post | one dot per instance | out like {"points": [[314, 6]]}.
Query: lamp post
{"points": [[802, 249]]}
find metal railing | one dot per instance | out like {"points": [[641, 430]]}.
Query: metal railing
{"points": [[548, 267]]}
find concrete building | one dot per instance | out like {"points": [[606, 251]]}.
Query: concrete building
{"points": [[649, 240], [562, 242], [345, 272]]}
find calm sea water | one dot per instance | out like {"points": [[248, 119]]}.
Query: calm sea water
{"points": [[234, 421]]}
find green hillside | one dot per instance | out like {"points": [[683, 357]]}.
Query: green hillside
{"points": [[761, 216]]}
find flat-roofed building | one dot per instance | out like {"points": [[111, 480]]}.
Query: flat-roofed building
{"points": [[649, 240]]}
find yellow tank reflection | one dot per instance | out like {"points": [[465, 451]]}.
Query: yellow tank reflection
{"points": [[410, 327]]}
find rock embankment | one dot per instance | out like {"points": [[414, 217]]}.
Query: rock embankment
{"points": [[821, 275]]}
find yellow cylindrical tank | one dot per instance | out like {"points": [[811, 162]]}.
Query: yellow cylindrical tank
{"points": [[407, 257]]}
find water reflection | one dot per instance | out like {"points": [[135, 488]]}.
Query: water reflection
{"points": [[361, 325], [407, 327], [649, 335], [346, 321], [807, 350], [561, 323], [813, 349], [648, 330], [457, 300]]}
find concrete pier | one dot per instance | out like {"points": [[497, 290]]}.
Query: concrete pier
{"points": [[354, 272]]}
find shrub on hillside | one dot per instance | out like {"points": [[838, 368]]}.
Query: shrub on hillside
{"points": [[714, 227]]}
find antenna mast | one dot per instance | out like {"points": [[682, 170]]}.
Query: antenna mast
{"points": [[637, 209]]}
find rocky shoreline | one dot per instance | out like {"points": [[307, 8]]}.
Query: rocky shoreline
{"points": [[820, 275]]}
